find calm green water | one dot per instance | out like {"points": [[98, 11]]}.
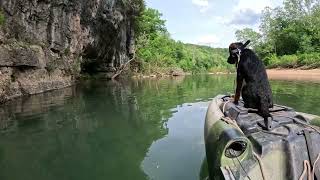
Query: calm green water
{"points": [[143, 129]]}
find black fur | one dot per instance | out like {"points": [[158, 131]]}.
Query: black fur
{"points": [[256, 91]]}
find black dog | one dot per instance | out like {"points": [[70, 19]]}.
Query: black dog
{"points": [[256, 91]]}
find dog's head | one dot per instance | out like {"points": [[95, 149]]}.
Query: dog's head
{"points": [[235, 50]]}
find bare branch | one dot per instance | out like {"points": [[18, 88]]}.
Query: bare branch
{"points": [[122, 68]]}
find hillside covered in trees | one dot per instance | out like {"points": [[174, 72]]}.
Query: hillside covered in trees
{"points": [[157, 52], [289, 35]]}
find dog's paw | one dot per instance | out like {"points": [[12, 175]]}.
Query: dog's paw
{"points": [[235, 102]]}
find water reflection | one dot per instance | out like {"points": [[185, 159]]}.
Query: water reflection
{"points": [[98, 134], [179, 155], [134, 129], [302, 96]]}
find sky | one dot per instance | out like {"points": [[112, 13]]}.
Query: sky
{"points": [[210, 22]]}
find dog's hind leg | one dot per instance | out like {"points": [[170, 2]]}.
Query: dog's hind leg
{"points": [[264, 111]]}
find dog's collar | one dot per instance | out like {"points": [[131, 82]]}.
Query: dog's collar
{"points": [[236, 52]]}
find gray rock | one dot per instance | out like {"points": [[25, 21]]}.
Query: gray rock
{"points": [[17, 55], [45, 43], [177, 72]]}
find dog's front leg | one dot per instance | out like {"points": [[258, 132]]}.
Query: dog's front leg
{"points": [[238, 89]]}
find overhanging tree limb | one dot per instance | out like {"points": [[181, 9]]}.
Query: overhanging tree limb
{"points": [[122, 68]]}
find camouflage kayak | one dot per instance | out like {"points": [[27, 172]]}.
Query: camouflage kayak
{"points": [[238, 146]]}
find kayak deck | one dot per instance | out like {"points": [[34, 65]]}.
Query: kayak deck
{"points": [[282, 151]]}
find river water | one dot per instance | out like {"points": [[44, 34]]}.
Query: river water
{"points": [[134, 129]]}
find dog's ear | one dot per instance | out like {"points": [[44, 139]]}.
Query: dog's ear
{"points": [[237, 45], [231, 60], [246, 44], [232, 46]]}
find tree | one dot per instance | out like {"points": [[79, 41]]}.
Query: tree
{"points": [[150, 23], [249, 34], [292, 29], [156, 50]]}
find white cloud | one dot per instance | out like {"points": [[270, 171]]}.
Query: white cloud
{"points": [[221, 20], [246, 13], [245, 17], [208, 40], [204, 9], [256, 5], [204, 5], [201, 3]]}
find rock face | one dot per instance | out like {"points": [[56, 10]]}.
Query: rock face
{"points": [[46, 44]]}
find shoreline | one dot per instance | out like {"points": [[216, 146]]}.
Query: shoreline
{"points": [[312, 75]]}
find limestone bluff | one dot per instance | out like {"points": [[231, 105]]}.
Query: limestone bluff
{"points": [[45, 44]]}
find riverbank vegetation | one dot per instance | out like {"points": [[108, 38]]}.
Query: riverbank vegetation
{"points": [[158, 53], [288, 36]]}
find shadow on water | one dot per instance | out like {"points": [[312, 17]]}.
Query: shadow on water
{"points": [[134, 129]]}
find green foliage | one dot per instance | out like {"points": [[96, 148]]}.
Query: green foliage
{"points": [[150, 23], [286, 61], [2, 18], [67, 51], [50, 67], [289, 34], [158, 52], [249, 34], [133, 6], [310, 60]]}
